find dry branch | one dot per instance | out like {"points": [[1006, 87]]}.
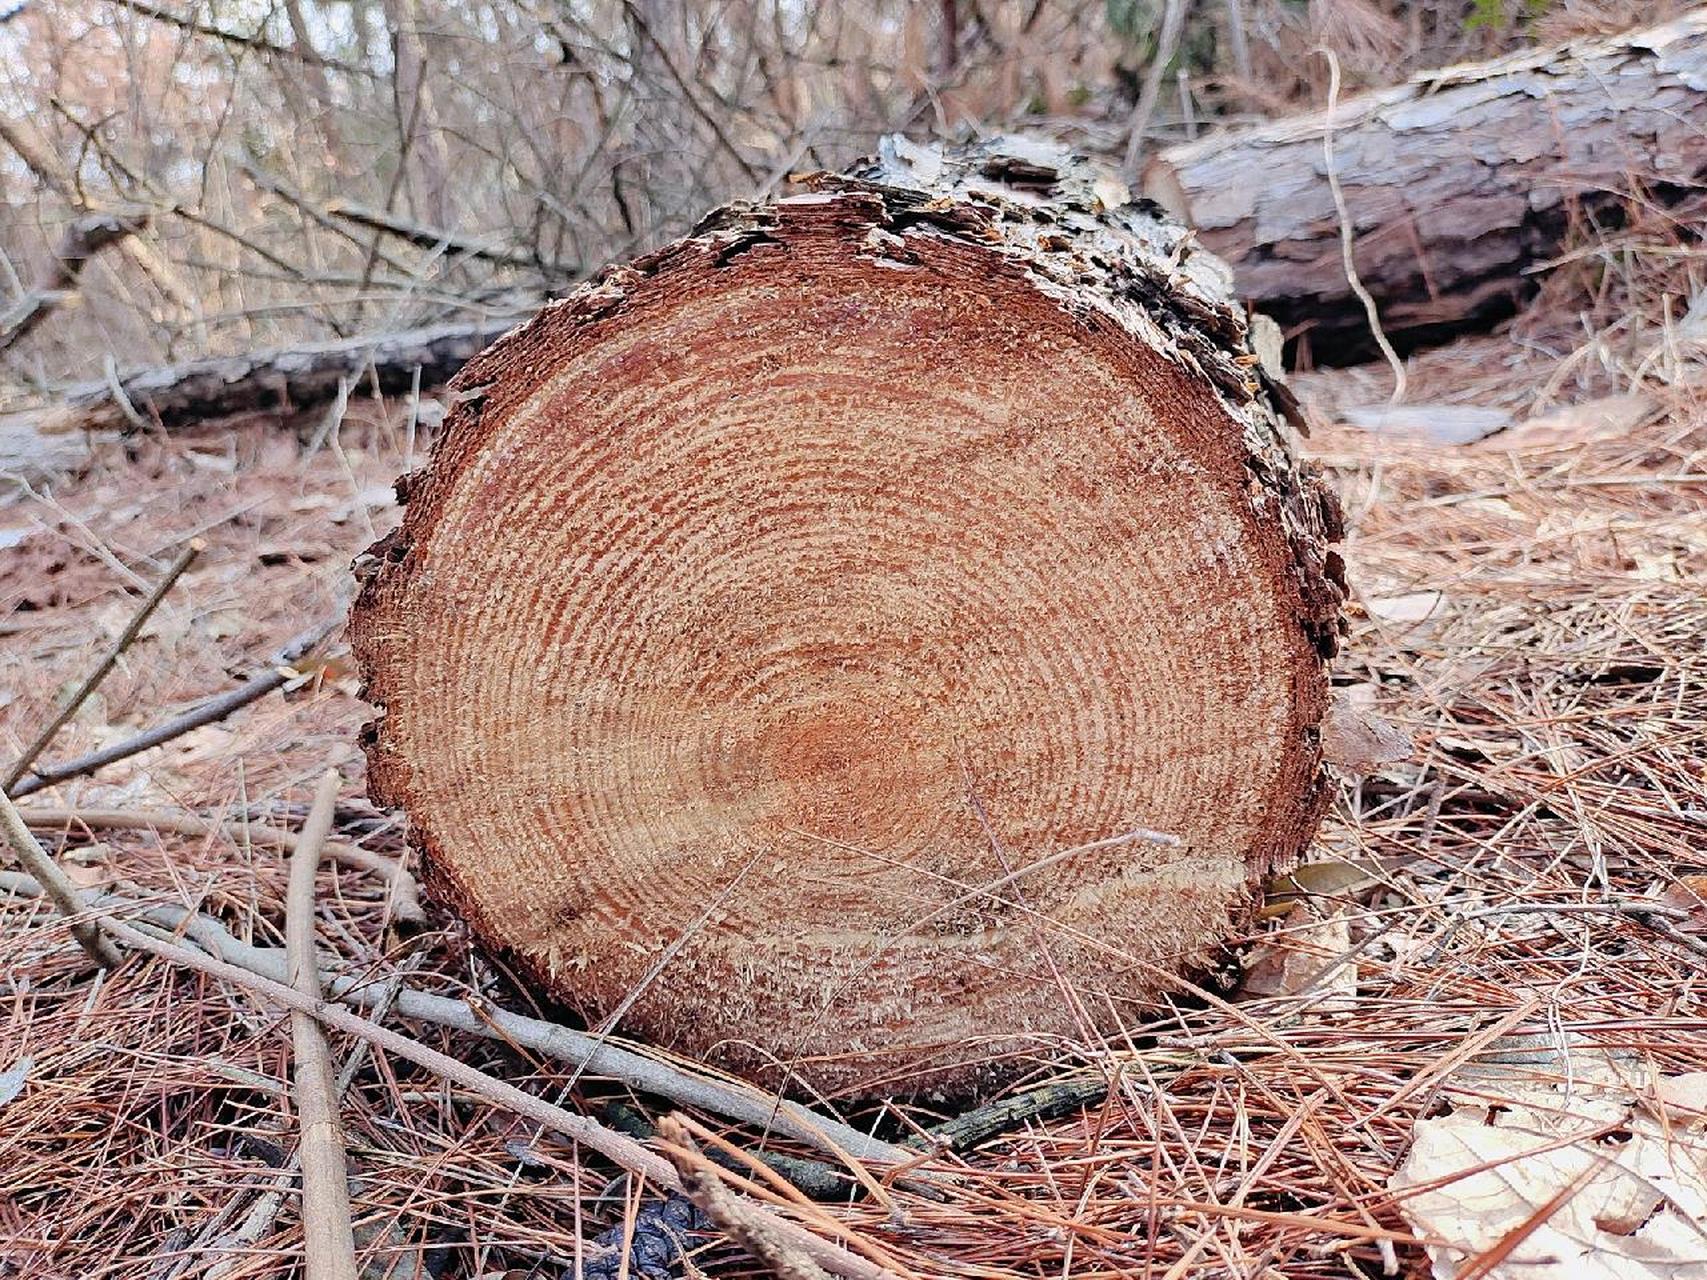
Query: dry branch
{"points": [[739, 1219], [91, 682], [438, 239], [405, 894], [329, 1244], [281, 381], [621, 1151], [257, 43], [771, 599], [213, 710], [586, 1053], [85, 237], [1457, 183]]}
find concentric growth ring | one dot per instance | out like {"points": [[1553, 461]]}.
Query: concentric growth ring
{"points": [[766, 643]]}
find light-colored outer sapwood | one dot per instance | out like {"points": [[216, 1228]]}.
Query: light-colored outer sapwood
{"points": [[790, 622]]}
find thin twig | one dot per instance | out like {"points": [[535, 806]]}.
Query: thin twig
{"points": [[1167, 45], [209, 712], [84, 238], [57, 885], [185, 558], [256, 43], [328, 1242], [1348, 232], [613, 1146]]}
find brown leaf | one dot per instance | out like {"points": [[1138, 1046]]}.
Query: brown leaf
{"points": [[1357, 740], [1548, 1171], [1305, 950]]}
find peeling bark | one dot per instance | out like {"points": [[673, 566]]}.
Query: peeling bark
{"points": [[1457, 183], [797, 628]]}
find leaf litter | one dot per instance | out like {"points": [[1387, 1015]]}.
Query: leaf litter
{"points": [[1524, 882]]}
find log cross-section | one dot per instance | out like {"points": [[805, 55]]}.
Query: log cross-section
{"points": [[797, 630]]}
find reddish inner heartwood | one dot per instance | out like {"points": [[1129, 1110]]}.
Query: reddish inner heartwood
{"points": [[791, 605]]}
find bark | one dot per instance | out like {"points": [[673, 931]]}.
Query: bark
{"points": [[797, 630], [1457, 183], [283, 380]]}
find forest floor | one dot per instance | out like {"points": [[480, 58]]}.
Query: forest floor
{"points": [[1519, 894]]}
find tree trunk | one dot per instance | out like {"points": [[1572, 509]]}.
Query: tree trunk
{"points": [[1457, 183], [796, 627]]}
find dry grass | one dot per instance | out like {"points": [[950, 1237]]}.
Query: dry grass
{"points": [[1557, 692]]}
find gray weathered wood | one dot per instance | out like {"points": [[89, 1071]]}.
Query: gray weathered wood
{"points": [[285, 379]]}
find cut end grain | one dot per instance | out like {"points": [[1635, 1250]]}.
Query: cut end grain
{"points": [[789, 624]]}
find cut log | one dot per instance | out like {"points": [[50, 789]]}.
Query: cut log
{"points": [[795, 629], [1457, 183]]}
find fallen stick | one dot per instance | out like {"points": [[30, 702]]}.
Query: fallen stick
{"points": [[84, 238], [621, 1151], [64, 895], [285, 380], [185, 557], [209, 712], [328, 1241], [405, 891], [585, 1052]]}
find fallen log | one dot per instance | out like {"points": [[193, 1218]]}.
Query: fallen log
{"points": [[1457, 184], [879, 633], [283, 380]]}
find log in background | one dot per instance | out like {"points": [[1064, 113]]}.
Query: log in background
{"points": [[1459, 184]]}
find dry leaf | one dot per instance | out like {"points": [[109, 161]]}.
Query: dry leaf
{"points": [[1408, 609], [13, 1077], [1305, 951], [88, 866], [1357, 740], [1439, 423], [1682, 1099], [1326, 878], [1607, 418], [1689, 893], [1634, 1193]]}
